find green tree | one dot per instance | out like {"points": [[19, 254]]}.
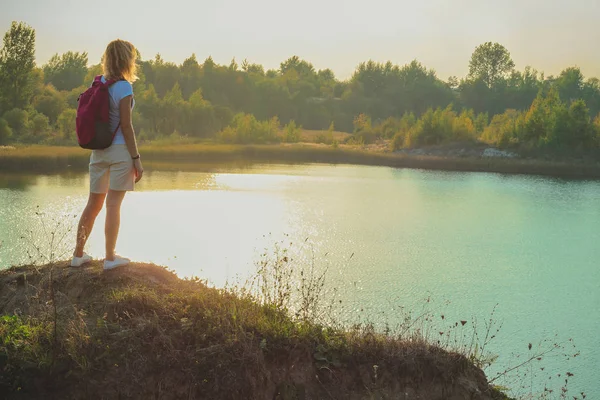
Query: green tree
{"points": [[441, 126], [403, 128], [503, 129], [453, 82], [490, 63], [164, 75], [150, 108], [66, 71], [591, 95], [39, 124], [5, 131], [326, 83], [463, 127], [249, 68], [581, 130], [330, 131], [36, 83], [171, 108], [384, 90], [522, 88], [292, 132], [302, 67], [17, 61], [570, 84], [66, 124], [596, 130], [201, 118], [363, 129], [233, 65], [50, 103], [541, 123], [17, 120], [72, 97], [245, 128], [481, 122], [191, 76], [476, 95], [92, 72]]}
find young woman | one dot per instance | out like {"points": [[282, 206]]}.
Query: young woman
{"points": [[114, 170]]}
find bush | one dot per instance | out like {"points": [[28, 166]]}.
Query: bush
{"points": [[388, 128], [72, 96], [504, 128], [481, 122], [596, 128], [145, 135], [200, 116], [463, 128], [66, 124], [441, 126], [549, 122], [174, 138], [50, 103], [399, 140], [292, 132], [580, 128], [17, 120], [246, 129], [5, 131], [363, 130], [540, 122], [228, 135], [326, 138], [39, 124], [402, 129]]}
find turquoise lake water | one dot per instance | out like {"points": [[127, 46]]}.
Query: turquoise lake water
{"points": [[390, 238]]}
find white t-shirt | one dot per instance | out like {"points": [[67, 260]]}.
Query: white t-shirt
{"points": [[117, 91]]}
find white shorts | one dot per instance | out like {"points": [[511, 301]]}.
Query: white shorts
{"points": [[111, 168]]}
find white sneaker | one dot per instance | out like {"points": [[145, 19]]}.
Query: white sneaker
{"points": [[117, 262], [79, 261]]}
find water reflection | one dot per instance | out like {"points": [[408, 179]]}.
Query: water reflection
{"points": [[16, 182]]}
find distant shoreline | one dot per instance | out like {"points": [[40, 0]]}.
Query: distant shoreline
{"points": [[59, 159]]}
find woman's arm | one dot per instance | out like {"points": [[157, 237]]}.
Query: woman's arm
{"points": [[127, 125], [129, 135]]}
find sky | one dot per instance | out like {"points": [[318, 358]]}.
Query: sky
{"points": [[548, 35]]}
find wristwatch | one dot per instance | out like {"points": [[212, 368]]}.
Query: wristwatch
{"points": [[136, 157]]}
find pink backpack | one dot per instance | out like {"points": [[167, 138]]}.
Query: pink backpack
{"points": [[92, 122]]}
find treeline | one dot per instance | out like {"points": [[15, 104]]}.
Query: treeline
{"points": [[244, 103]]}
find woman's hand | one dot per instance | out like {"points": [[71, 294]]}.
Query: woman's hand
{"points": [[139, 169]]}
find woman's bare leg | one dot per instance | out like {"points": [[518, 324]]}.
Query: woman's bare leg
{"points": [[86, 222], [113, 221]]}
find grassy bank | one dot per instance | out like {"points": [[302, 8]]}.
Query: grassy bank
{"points": [[141, 332], [53, 159]]}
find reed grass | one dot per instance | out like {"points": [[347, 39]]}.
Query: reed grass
{"points": [[48, 159]]}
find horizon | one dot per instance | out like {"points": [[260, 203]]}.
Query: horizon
{"points": [[557, 37]]}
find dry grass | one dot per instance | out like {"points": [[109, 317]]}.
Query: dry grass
{"points": [[32, 158], [51, 159], [140, 332], [312, 136]]}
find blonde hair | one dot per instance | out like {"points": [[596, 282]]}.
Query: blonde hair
{"points": [[119, 61]]}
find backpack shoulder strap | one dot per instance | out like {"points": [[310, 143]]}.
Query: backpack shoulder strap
{"points": [[107, 82], [97, 80]]}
